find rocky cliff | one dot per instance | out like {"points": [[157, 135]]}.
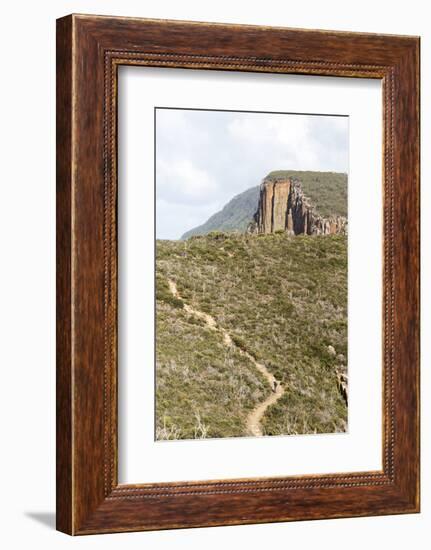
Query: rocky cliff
{"points": [[284, 207]]}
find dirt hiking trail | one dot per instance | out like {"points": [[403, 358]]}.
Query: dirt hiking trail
{"points": [[254, 418]]}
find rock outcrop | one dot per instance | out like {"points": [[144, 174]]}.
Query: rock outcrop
{"points": [[284, 207]]}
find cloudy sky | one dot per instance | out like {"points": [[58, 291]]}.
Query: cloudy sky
{"points": [[204, 158]]}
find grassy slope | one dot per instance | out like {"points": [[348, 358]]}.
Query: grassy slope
{"points": [[326, 190], [285, 299], [203, 388]]}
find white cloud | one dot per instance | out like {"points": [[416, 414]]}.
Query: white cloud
{"points": [[181, 181], [293, 140], [276, 129], [171, 123]]}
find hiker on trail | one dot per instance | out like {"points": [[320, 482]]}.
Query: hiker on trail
{"points": [[274, 386]]}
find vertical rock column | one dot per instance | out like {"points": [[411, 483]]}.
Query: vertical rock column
{"points": [[265, 207], [280, 201]]}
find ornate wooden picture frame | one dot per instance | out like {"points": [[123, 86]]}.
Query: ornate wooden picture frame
{"points": [[89, 51]]}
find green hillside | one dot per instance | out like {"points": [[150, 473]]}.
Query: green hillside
{"points": [[283, 300], [326, 190], [235, 215]]}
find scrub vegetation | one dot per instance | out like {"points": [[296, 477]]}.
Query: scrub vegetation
{"points": [[283, 301]]}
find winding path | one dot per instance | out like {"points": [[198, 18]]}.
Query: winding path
{"points": [[253, 420]]}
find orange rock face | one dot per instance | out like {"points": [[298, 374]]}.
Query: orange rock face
{"points": [[284, 207], [280, 200], [268, 195]]}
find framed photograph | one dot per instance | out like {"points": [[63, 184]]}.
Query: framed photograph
{"points": [[237, 274]]}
